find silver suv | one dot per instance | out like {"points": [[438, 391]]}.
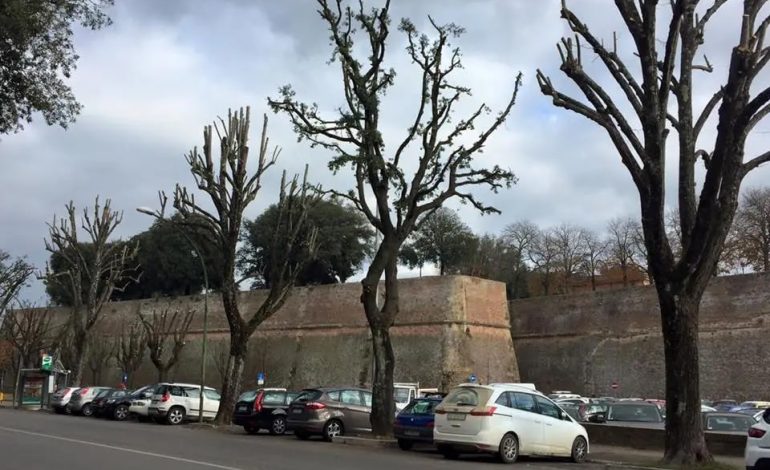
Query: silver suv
{"points": [[173, 403], [61, 399], [80, 403]]}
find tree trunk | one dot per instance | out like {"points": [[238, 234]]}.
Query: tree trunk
{"points": [[231, 385], [685, 443], [383, 408], [162, 373], [81, 354]]}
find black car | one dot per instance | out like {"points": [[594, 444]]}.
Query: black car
{"points": [[415, 422], [119, 407], [105, 400], [263, 409]]}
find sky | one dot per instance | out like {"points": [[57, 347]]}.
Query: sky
{"points": [[163, 70]]}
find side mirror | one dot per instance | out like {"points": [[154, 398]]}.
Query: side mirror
{"points": [[565, 416]]}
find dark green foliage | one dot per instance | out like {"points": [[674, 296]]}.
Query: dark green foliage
{"points": [[344, 238], [37, 54], [496, 259], [443, 239]]}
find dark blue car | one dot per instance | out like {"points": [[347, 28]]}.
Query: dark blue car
{"points": [[415, 422]]}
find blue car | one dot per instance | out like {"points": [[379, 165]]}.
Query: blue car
{"points": [[415, 422]]}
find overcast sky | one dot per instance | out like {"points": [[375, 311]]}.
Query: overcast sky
{"points": [[164, 69]]}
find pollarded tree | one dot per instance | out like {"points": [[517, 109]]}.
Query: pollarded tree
{"points": [[129, 348], [657, 89], [165, 333], [13, 275], [90, 277], [100, 350], [231, 187], [439, 147]]}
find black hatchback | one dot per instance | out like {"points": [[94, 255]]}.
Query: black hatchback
{"points": [[264, 408]]}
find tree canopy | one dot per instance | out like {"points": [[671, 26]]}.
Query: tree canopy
{"points": [[443, 239], [344, 238], [37, 55]]}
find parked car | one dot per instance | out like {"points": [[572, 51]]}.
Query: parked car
{"points": [[751, 405], [118, 406], [415, 422], [727, 422], [61, 399], [587, 411], [724, 405], [81, 400], [104, 402], [572, 410], [640, 413], [757, 452], [508, 420], [263, 409], [139, 402], [173, 403], [330, 412]]}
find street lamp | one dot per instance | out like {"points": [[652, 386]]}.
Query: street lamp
{"points": [[159, 216]]}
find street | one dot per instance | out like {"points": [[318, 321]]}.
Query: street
{"points": [[43, 440]]}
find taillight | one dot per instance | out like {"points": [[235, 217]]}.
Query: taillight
{"points": [[756, 432], [314, 405], [166, 397], [486, 411], [258, 402], [83, 391]]}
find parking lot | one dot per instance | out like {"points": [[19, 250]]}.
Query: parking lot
{"points": [[44, 440]]}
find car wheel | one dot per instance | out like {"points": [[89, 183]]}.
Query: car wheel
{"points": [[404, 444], [175, 415], [448, 452], [251, 429], [508, 451], [332, 429], [302, 435], [58, 411], [278, 426], [87, 410], [120, 413], [579, 450]]}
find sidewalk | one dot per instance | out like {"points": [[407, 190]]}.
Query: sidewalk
{"points": [[646, 458]]}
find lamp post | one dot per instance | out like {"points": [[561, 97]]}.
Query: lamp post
{"points": [[159, 216]]}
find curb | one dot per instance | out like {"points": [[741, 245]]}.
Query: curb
{"points": [[366, 442], [615, 464]]}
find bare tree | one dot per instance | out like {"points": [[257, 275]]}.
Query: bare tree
{"points": [[219, 354], [395, 197], [231, 189], [100, 351], [13, 275], [165, 334], [623, 244], [594, 255], [129, 347], [544, 254], [752, 229], [569, 242], [660, 103], [91, 278], [29, 331], [519, 238]]}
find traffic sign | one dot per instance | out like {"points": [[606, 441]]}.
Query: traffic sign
{"points": [[46, 363], [260, 378], [615, 386], [472, 378]]}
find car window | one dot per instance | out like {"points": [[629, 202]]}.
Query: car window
{"points": [[351, 397], [547, 408], [211, 394], [420, 407], [367, 399], [291, 396], [176, 391], [308, 395], [525, 402], [192, 392], [119, 393], [504, 400], [103, 393], [273, 398], [464, 396], [334, 395], [248, 396], [637, 413], [401, 394]]}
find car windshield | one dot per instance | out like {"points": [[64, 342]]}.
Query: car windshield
{"points": [[309, 395], [421, 407], [248, 396], [401, 394], [637, 413], [103, 393]]}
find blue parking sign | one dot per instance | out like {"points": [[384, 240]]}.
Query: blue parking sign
{"points": [[260, 378], [472, 378]]}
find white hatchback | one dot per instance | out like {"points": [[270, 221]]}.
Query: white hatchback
{"points": [[508, 420], [176, 402], [758, 444]]}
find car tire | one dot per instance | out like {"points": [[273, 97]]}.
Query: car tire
{"points": [[508, 450], [278, 426], [87, 410], [579, 450], [333, 428], [121, 413], [301, 435], [405, 444], [58, 411], [175, 415], [449, 452], [251, 429]]}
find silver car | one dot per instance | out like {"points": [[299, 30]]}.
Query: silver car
{"points": [[61, 399], [140, 401], [80, 402]]}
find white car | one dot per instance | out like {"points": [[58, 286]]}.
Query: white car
{"points": [[140, 402], [758, 444], [509, 420], [176, 402], [61, 399]]}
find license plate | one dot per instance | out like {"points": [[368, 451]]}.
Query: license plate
{"points": [[297, 411], [455, 416], [411, 433], [243, 408]]}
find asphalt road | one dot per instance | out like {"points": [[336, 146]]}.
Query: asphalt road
{"points": [[32, 440]]}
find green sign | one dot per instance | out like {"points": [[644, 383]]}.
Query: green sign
{"points": [[46, 363]]}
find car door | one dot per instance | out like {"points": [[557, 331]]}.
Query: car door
{"points": [[527, 422], [211, 400], [557, 432], [192, 397], [355, 414]]}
